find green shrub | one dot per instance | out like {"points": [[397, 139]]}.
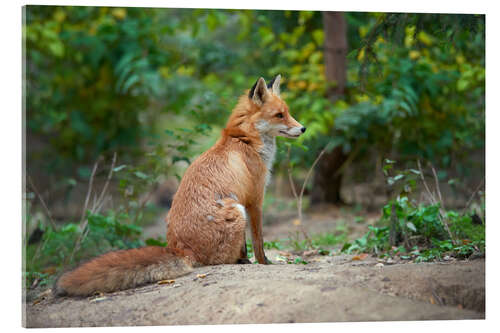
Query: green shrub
{"points": [[420, 231]]}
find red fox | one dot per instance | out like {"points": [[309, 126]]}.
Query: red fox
{"points": [[220, 192]]}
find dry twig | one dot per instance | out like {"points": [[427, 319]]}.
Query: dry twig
{"points": [[434, 201], [348, 161], [299, 197], [42, 202], [438, 189], [429, 193], [101, 200], [89, 191], [96, 206], [474, 194]]}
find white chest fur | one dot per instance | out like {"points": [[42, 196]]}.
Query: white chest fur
{"points": [[267, 153]]}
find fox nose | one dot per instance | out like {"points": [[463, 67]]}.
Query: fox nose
{"points": [[303, 129]]}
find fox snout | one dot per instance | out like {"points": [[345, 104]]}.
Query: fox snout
{"points": [[294, 129], [293, 132]]}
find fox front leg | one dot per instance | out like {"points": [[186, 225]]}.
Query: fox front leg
{"points": [[244, 256], [257, 240]]}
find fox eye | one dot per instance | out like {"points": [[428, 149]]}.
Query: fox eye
{"points": [[279, 115]]}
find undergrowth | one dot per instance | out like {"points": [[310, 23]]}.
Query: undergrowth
{"points": [[422, 231], [56, 248], [418, 231]]}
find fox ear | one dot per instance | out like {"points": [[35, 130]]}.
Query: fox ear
{"points": [[259, 93], [274, 85]]}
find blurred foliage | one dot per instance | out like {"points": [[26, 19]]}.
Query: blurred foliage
{"points": [[98, 79], [415, 86]]}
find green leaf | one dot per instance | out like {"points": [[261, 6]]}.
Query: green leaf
{"points": [[57, 48], [318, 36], [411, 226], [141, 175], [133, 79], [398, 177], [180, 158], [299, 260], [70, 228], [156, 242], [346, 247], [120, 167], [84, 172]]}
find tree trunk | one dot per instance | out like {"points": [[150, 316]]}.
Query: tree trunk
{"points": [[327, 183], [335, 29]]}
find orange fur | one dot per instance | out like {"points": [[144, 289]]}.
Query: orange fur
{"points": [[220, 192]]}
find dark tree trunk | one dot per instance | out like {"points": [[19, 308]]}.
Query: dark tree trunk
{"points": [[327, 182], [335, 29]]}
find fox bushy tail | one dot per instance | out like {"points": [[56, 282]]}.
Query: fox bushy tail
{"points": [[123, 269]]}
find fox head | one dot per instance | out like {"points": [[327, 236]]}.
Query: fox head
{"points": [[272, 116]]}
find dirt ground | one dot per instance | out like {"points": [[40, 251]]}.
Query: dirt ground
{"points": [[326, 289]]}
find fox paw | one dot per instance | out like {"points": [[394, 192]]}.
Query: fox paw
{"points": [[243, 261]]}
